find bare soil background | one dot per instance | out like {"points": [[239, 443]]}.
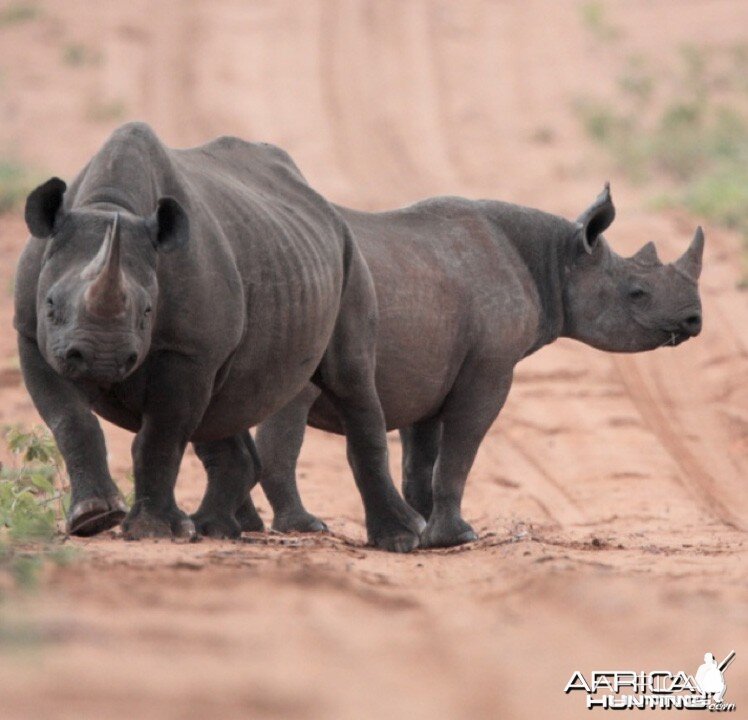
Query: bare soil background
{"points": [[610, 497]]}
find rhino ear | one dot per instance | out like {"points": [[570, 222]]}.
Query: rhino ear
{"points": [[596, 219], [647, 255], [42, 206], [170, 226]]}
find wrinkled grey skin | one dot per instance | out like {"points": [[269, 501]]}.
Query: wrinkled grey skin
{"points": [[466, 290], [186, 295]]}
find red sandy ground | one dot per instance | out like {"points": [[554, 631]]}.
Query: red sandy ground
{"points": [[610, 498]]}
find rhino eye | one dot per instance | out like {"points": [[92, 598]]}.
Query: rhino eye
{"points": [[147, 310], [637, 294]]}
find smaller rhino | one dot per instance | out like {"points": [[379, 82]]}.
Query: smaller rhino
{"points": [[466, 289]]}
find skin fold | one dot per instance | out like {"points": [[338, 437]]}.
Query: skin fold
{"points": [[466, 290]]}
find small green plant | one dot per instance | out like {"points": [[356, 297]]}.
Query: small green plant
{"points": [[18, 12], [15, 184], [594, 16], [33, 498], [77, 54], [33, 491]]}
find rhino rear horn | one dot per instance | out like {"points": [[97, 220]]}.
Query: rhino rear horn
{"points": [[105, 295], [647, 255], [596, 219], [690, 262], [42, 206]]}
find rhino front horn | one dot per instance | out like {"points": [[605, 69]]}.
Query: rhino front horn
{"points": [[690, 262], [105, 296]]}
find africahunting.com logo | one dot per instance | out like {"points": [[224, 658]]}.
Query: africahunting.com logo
{"points": [[659, 689]]}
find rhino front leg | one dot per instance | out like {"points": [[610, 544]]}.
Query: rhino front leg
{"points": [[346, 376], [472, 406], [176, 402], [232, 465], [95, 504], [420, 444], [279, 440]]}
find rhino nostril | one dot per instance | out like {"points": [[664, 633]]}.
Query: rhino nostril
{"points": [[692, 323], [74, 354], [129, 364]]}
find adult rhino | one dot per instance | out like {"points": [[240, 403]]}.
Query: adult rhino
{"points": [[467, 289], [186, 295]]}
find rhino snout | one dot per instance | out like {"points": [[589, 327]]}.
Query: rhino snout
{"points": [[691, 324], [80, 360]]}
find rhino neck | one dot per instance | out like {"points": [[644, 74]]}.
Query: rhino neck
{"points": [[541, 241]]}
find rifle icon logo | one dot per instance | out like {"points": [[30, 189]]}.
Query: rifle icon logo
{"points": [[710, 676]]}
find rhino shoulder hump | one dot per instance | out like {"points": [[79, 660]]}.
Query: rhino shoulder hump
{"points": [[136, 131]]}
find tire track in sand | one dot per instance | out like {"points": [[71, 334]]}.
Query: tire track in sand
{"points": [[536, 479], [651, 402]]}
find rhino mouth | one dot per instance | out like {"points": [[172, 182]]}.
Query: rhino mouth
{"points": [[675, 338]]}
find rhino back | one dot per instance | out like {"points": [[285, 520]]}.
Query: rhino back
{"points": [[451, 286]]}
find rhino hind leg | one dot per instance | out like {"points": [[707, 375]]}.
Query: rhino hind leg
{"points": [[231, 465], [470, 409], [420, 443], [247, 516], [279, 440]]}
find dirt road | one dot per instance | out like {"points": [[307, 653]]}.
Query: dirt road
{"points": [[610, 497]]}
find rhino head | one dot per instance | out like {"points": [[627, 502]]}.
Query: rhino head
{"points": [[628, 304], [98, 289]]}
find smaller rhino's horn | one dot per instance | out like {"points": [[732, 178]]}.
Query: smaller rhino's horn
{"points": [[690, 262], [646, 255]]}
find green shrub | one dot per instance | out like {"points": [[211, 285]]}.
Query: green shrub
{"points": [[33, 492], [77, 54], [18, 12], [594, 17], [33, 498]]}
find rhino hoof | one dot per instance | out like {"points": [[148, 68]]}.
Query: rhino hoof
{"points": [[447, 533], [142, 523], [402, 542], [217, 526], [398, 529], [249, 519], [302, 522], [94, 515]]}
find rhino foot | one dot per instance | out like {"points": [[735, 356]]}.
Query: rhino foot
{"points": [[142, 522], [248, 518], [447, 532], [217, 525], [300, 522], [398, 531], [422, 503], [94, 515]]}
